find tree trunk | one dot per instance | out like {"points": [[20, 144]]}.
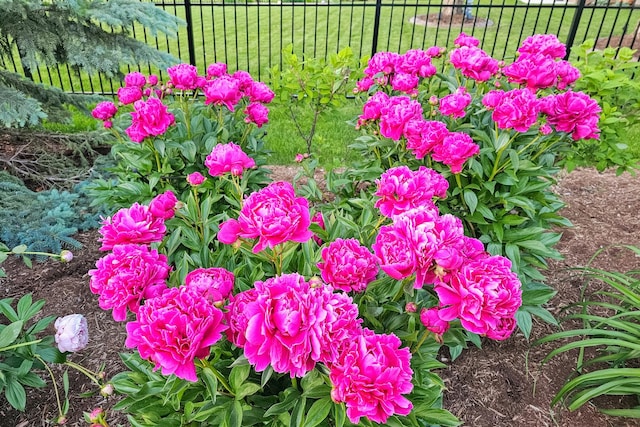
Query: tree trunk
{"points": [[451, 8]]}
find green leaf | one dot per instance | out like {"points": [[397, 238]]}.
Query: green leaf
{"points": [[470, 199], [238, 375], [20, 249], [235, 415], [9, 334], [523, 319], [247, 389], [15, 394], [318, 412]]}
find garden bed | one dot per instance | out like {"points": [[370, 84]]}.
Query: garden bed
{"points": [[504, 384]]}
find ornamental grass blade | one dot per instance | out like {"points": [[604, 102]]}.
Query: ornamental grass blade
{"points": [[603, 375]]}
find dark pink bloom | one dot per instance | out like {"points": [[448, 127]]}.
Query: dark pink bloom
{"points": [[371, 375], [417, 62], [215, 283], [129, 94], [399, 111], [543, 44], [196, 178], [175, 328], [104, 110], [465, 40], [492, 99], [152, 80], [372, 108], [256, 113], [226, 158], [131, 225], [481, 294], [534, 71], [435, 51], [431, 320], [163, 205], [383, 62], [454, 104], [575, 113], [135, 79], [400, 189], [292, 325], [347, 265], [395, 252], [223, 90], [423, 135], [136, 132], [183, 76], [260, 92], [364, 84], [152, 117], [455, 150], [274, 215], [405, 82], [236, 316], [244, 79], [567, 74], [503, 330], [517, 109], [474, 63], [216, 70], [127, 276]]}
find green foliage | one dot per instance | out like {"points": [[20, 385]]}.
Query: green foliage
{"points": [[610, 324], [44, 221], [611, 77], [92, 35], [313, 86], [22, 352]]}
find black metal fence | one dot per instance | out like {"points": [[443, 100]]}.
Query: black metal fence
{"points": [[251, 35]]}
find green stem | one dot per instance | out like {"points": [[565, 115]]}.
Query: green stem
{"points": [[496, 164], [55, 384], [222, 380], [85, 371], [23, 344], [424, 336]]}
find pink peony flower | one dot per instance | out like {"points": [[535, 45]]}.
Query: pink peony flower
{"points": [[423, 135], [372, 108], [465, 40], [454, 104], [104, 110], [474, 63], [364, 84], [481, 294], [435, 51], [431, 320], [215, 283], [244, 79], [517, 109], [135, 79], [405, 83], [260, 92], [152, 80], [382, 62], [274, 215], [127, 276], [152, 117], [223, 90], [417, 62], [292, 325], [347, 265], [492, 99], [371, 375], [575, 113], [129, 94], [533, 71], [228, 158], [196, 178], [256, 113], [236, 316], [401, 189], [216, 70], [175, 328], [543, 44], [396, 255], [503, 330], [183, 76], [136, 133], [399, 111], [131, 225], [567, 74], [72, 333], [456, 148], [163, 205]]}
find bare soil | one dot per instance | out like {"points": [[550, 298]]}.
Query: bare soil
{"points": [[502, 384]]}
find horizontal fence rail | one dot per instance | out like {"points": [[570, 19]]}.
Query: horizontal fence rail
{"points": [[251, 35]]}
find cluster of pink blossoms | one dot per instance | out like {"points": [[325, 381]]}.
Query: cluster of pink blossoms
{"points": [[228, 158], [402, 117], [290, 324]]}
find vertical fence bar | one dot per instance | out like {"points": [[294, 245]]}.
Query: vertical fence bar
{"points": [[191, 47], [376, 27], [574, 27]]}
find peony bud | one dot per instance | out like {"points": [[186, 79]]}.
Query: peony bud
{"points": [[107, 390], [411, 307], [71, 333], [66, 256]]}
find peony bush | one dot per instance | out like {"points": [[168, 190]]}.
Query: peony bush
{"points": [[250, 302]]}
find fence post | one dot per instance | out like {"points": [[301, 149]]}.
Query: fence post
{"points": [[376, 28], [574, 27], [190, 43]]}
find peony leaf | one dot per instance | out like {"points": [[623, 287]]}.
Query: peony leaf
{"points": [[318, 412]]}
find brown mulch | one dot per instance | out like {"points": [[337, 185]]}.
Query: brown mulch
{"points": [[503, 384]]}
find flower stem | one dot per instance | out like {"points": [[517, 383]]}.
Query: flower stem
{"points": [[84, 371], [54, 382], [206, 365], [424, 336]]}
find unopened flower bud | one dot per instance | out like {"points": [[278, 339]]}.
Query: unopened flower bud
{"points": [[61, 420], [433, 100], [95, 415], [66, 256], [411, 307], [107, 390], [315, 282]]}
